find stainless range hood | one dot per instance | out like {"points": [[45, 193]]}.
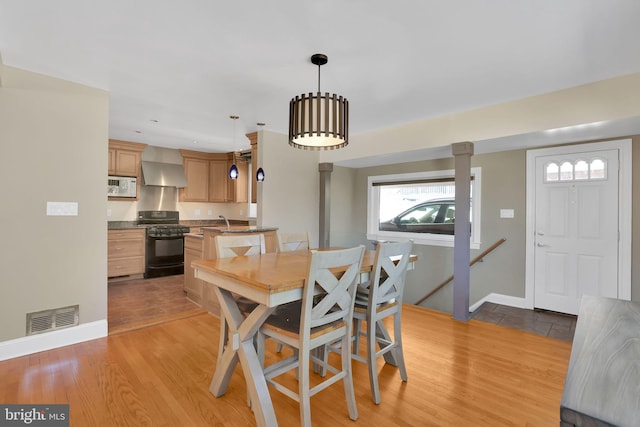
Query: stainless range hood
{"points": [[163, 174]]}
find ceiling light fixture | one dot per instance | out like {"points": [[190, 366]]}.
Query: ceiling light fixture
{"points": [[260, 171], [319, 122], [233, 170]]}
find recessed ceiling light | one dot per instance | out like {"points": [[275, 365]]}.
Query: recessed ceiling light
{"points": [[195, 142]]}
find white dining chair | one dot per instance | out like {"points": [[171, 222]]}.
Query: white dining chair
{"points": [[239, 245], [324, 316], [232, 246], [288, 242], [293, 241], [381, 297]]}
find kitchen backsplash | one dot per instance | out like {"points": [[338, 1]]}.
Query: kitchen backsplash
{"points": [[128, 211]]}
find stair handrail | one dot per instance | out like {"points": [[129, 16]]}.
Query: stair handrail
{"points": [[450, 278]]}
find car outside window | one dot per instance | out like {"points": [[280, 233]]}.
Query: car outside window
{"points": [[419, 206]]}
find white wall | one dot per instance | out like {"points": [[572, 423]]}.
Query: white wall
{"points": [[54, 138]]}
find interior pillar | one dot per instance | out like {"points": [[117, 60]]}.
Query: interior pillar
{"points": [[325, 203], [462, 152]]}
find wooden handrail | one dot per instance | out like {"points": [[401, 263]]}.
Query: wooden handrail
{"points": [[450, 278]]}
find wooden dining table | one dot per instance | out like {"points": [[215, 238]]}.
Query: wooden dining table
{"points": [[269, 279]]}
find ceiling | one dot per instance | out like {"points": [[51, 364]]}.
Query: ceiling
{"points": [[176, 71]]}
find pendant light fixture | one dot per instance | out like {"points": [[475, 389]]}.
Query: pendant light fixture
{"points": [[260, 171], [233, 170], [317, 121]]}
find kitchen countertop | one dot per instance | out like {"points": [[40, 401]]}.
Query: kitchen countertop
{"points": [[128, 225], [239, 229], [199, 236]]}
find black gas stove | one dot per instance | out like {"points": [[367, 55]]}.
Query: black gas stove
{"points": [[166, 230], [164, 255]]}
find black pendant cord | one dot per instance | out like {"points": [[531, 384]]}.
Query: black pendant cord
{"points": [[319, 59]]}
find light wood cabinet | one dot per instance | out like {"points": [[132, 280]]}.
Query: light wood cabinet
{"points": [[208, 180], [125, 251], [125, 158], [253, 139], [218, 180], [238, 189], [192, 286], [197, 174]]}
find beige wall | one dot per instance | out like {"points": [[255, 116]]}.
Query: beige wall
{"points": [[54, 148], [606, 100], [288, 197], [503, 186]]}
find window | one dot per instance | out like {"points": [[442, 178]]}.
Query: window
{"points": [[419, 206], [595, 169]]}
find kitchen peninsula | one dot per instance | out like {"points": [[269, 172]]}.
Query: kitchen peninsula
{"points": [[209, 234], [202, 245]]}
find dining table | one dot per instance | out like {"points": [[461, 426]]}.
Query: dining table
{"points": [[270, 280]]}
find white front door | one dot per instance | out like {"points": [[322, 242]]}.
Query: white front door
{"points": [[576, 228]]}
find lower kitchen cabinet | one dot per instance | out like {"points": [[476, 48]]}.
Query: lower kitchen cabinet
{"points": [[197, 290], [192, 286], [125, 249]]}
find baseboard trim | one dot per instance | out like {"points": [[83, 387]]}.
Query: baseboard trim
{"points": [[47, 341], [502, 300]]}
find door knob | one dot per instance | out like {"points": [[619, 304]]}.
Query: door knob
{"points": [[540, 245]]}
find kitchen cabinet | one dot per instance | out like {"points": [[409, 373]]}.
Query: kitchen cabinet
{"points": [[238, 189], [125, 249], [125, 158], [253, 139], [197, 173], [208, 179], [192, 251], [218, 180]]}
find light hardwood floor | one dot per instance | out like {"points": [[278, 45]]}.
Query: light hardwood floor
{"points": [[460, 374]]}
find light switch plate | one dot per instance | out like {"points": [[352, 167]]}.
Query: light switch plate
{"points": [[62, 208], [506, 213]]}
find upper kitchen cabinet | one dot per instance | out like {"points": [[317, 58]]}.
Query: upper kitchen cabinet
{"points": [[238, 189], [125, 157], [208, 179], [218, 177], [253, 139], [196, 169]]}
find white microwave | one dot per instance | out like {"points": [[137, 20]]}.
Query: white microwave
{"points": [[121, 186]]}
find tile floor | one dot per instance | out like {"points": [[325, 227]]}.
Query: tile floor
{"points": [[542, 322], [138, 303]]}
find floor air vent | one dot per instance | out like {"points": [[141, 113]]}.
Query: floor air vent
{"points": [[51, 320]]}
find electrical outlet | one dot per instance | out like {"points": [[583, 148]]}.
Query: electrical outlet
{"points": [[241, 212], [197, 212], [209, 212]]}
